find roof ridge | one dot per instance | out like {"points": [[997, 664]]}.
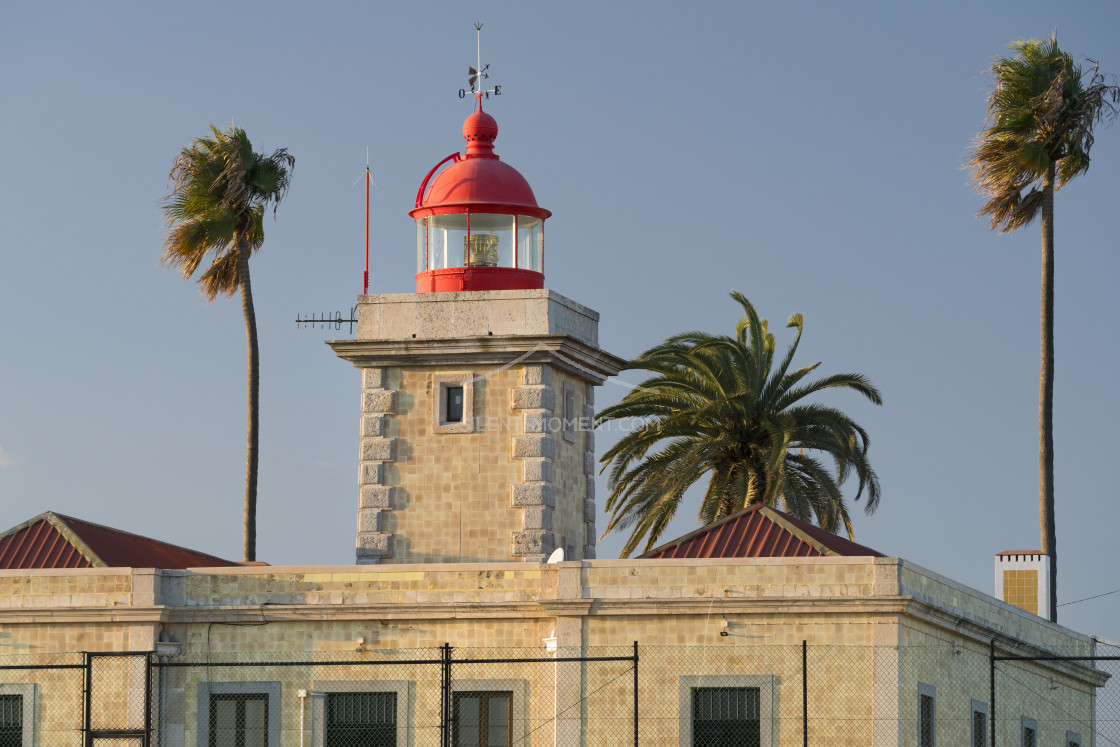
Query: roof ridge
{"points": [[59, 522], [785, 521]]}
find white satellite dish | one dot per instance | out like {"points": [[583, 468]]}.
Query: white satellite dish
{"points": [[557, 556]]}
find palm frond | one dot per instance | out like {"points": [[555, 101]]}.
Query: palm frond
{"points": [[715, 408], [1042, 109]]}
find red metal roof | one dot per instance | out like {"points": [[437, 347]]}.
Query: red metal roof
{"points": [[759, 531], [55, 541], [38, 545], [479, 182]]}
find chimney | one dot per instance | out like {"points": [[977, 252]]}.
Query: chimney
{"points": [[1023, 580]]}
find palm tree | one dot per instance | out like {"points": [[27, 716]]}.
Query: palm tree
{"points": [[220, 189], [1041, 115], [714, 406]]}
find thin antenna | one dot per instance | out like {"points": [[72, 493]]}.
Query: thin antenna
{"points": [[369, 180], [478, 47]]}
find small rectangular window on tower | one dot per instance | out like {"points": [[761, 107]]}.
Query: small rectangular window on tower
{"points": [[454, 405], [569, 412]]}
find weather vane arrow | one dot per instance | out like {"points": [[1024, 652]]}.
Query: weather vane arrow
{"points": [[477, 74]]}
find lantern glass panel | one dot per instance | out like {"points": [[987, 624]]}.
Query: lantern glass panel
{"points": [[445, 240], [496, 251], [530, 243]]}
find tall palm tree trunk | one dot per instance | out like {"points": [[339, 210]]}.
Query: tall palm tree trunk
{"points": [[253, 432], [1046, 393]]}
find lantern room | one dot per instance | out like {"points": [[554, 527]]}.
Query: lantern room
{"points": [[478, 225]]}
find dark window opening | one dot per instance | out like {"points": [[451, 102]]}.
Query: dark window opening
{"points": [[482, 719], [925, 720], [239, 720], [453, 405], [979, 729], [365, 719], [726, 717], [11, 720]]}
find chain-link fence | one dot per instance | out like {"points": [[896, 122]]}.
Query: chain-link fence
{"points": [[734, 694], [1045, 698], [42, 700]]}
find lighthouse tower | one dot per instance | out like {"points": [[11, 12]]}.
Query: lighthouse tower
{"points": [[477, 389]]}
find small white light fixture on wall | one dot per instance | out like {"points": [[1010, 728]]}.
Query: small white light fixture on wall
{"points": [[168, 648]]}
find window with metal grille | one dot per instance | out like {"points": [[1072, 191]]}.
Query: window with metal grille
{"points": [[726, 716], [11, 720], [239, 720], [979, 724], [361, 719], [482, 719], [1030, 732]]}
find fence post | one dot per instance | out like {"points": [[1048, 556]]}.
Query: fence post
{"points": [[88, 740], [445, 696], [805, 690], [992, 689], [149, 664], [635, 694]]}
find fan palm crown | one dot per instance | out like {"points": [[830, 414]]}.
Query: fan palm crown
{"points": [[715, 405], [1041, 115], [220, 189]]}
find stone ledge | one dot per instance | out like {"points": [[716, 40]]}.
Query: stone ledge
{"points": [[562, 353]]}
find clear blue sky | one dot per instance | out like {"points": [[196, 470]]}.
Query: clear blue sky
{"points": [[807, 154]]}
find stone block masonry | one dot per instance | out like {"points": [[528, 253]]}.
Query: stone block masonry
{"points": [[374, 497], [535, 495]]}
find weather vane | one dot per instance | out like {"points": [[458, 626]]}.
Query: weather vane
{"points": [[478, 74]]}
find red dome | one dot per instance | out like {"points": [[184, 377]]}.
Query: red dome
{"points": [[479, 182]]}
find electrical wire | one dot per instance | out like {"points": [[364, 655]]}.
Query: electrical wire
{"points": [[1086, 599]]}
